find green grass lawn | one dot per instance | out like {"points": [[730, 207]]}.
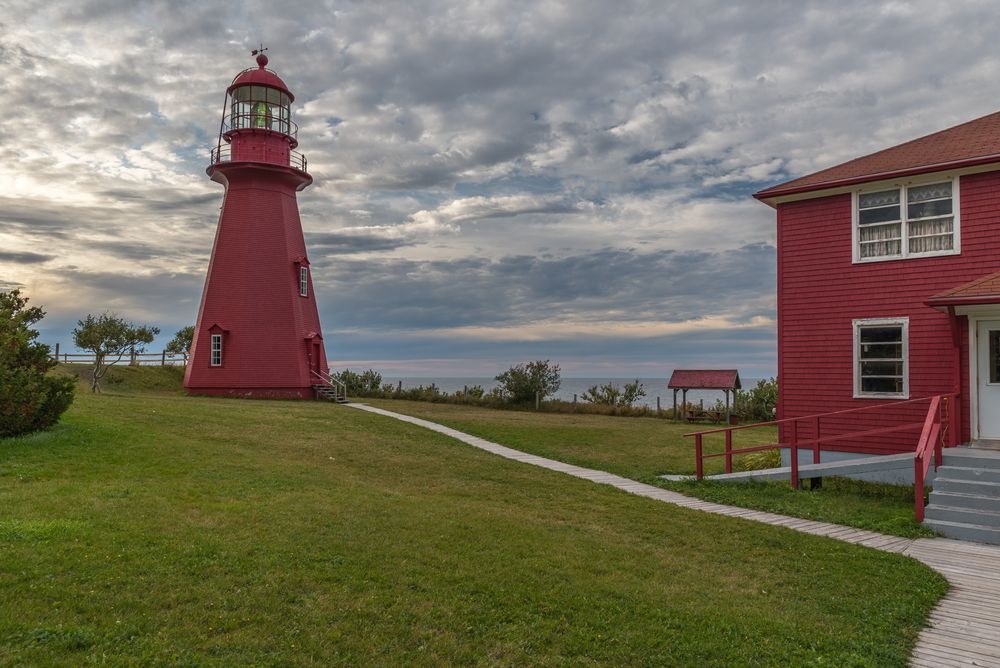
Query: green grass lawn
{"points": [[646, 448], [156, 529]]}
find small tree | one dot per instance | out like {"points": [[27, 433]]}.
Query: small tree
{"points": [[611, 394], [523, 382], [182, 341], [110, 337], [29, 399]]}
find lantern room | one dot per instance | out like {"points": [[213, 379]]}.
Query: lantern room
{"points": [[257, 120]]}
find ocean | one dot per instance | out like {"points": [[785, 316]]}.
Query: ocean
{"points": [[655, 387]]}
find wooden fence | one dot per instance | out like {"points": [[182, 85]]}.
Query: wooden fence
{"points": [[133, 358]]}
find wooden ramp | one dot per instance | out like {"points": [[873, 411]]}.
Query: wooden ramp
{"points": [[962, 630]]}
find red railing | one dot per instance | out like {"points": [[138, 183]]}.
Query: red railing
{"points": [[938, 428]]}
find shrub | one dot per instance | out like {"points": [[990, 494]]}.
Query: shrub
{"points": [[611, 394], [521, 383], [29, 399], [368, 383], [758, 403]]}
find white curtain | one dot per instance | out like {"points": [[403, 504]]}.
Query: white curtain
{"points": [[927, 236]]}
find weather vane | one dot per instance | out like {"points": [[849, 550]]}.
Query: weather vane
{"points": [[262, 49]]}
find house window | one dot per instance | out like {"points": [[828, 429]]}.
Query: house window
{"points": [[216, 357], [909, 221], [881, 358], [304, 281]]}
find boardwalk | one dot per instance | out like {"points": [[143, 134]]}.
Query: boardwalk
{"points": [[964, 628]]}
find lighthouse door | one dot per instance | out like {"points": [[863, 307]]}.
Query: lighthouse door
{"points": [[314, 357]]}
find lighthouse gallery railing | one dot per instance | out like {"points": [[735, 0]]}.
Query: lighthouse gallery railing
{"points": [[294, 159]]}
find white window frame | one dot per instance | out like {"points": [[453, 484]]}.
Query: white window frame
{"points": [[215, 351], [904, 245], [303, 281], [903, 322]]}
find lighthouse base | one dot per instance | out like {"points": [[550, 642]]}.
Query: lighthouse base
{"points": [[254, 392]]}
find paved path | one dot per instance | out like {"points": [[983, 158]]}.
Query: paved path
{"points": [[964, 628]]}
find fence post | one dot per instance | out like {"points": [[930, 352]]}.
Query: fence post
{"points": [[698, 472], [657, 406], [57, 354], [794, 452], [574, 402], [538, 399], [163, 358], [816, 455], [729, 451]]}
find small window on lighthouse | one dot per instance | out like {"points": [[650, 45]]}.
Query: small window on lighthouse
{"points": [[304, 281], [216, 359]]}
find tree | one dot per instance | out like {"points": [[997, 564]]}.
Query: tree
{"points": [[29, 399], [523, 382], [110, 336], [182, 341], [611, 394]]}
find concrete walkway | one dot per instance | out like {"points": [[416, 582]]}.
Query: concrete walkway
{"points": [[964, 628]]}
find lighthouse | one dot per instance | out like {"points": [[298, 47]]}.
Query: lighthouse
{"points": [[258, 331]]}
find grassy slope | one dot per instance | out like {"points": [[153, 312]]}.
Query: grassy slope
{"points": [[645, 448], [158, 529]]}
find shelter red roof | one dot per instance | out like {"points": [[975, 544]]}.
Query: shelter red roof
{"points": [[713, 379], [973, 142], [983, 290]]}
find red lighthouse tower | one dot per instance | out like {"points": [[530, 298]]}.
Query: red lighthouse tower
{"points": [[258, 331]]}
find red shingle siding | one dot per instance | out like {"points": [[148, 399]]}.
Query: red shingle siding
{"points": [[821, 292]]}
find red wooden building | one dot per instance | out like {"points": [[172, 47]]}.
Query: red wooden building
{"points": [[258, 332], [888, 287]]}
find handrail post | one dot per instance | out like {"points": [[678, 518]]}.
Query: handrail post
{"points": [[729, 451], [918, 487], [794, 452], [698, 472]]}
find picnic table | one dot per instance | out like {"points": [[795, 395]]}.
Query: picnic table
{"points": [[697, 415]]}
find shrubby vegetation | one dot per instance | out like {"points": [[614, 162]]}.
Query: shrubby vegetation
{"points": [[610, 394], [518, 385], [759, 402], [29, 398]]}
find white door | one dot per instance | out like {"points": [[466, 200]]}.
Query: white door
{"points": [[988, 354]]}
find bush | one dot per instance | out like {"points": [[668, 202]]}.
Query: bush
{"points": [[521, 383], [29, 399], [758, 403], [364, 384], [613, 395]]}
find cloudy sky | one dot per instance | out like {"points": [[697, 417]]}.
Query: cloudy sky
{"points": [[494, 181]]}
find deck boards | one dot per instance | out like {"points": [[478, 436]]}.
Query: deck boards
{"points": [[962, 630]]}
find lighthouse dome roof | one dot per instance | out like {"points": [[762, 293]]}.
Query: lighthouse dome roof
{"points": [[260, 76]]}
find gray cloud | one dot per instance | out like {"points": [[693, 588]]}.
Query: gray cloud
{"points": [[24, 258], [475, 164]]}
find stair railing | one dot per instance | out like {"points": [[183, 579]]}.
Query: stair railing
{"points": [[339, 388], [937, 428], [942, 412]]}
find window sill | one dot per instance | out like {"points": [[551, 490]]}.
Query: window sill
{"points": [[881, 395], [911, 256]]}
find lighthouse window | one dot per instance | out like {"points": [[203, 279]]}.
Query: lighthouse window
{"points": [[304, 281], [259, 107], [216, 357]]}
